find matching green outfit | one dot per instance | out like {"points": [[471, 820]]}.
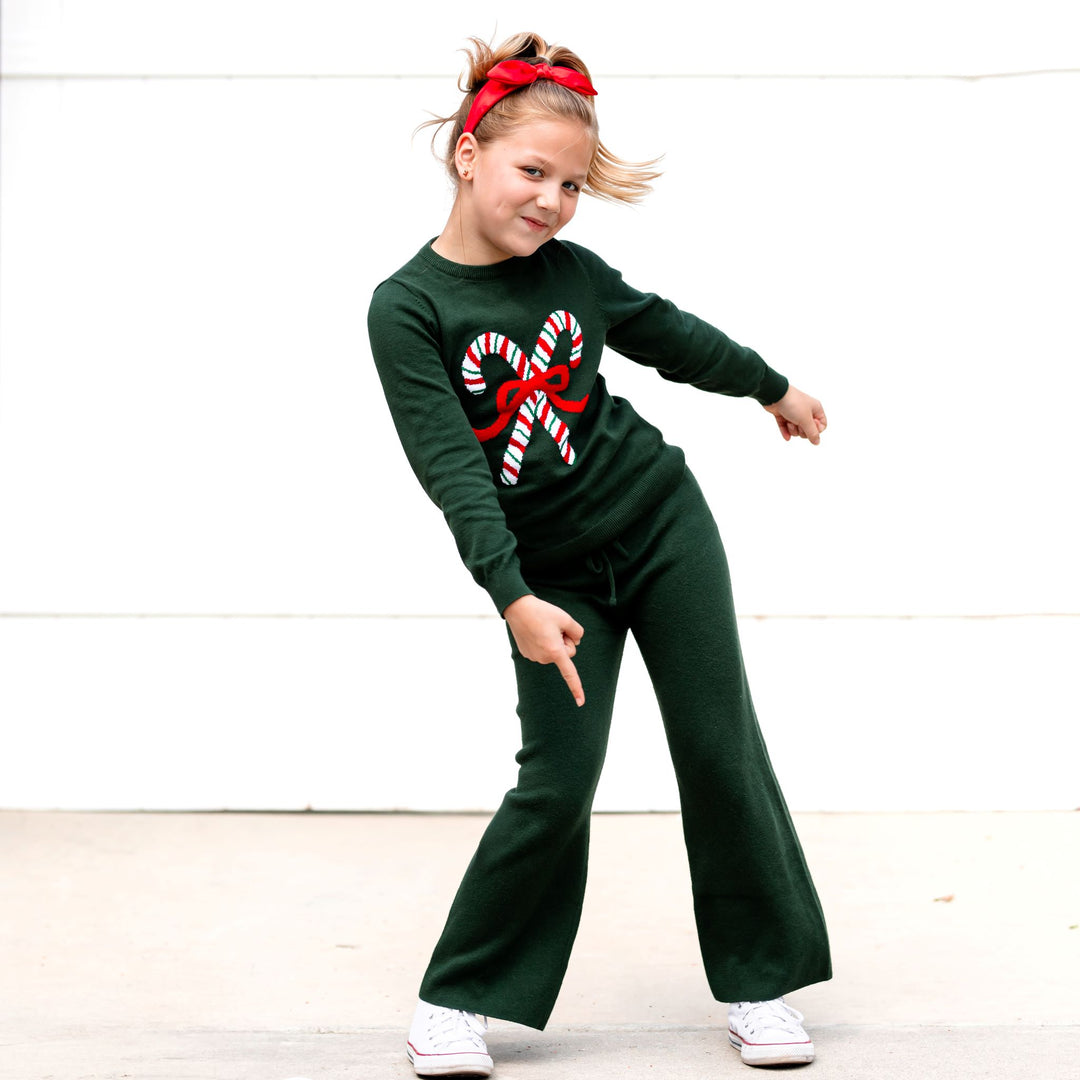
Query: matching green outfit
{"points": [[553, 486]]}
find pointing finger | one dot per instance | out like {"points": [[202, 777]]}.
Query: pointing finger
{"points": [[573, 680]]}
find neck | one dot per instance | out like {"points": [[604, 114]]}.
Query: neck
{"points": [[453, 243], [450, 244]]}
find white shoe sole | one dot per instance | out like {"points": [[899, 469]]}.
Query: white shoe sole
{"points": [[466, 1064], [800, 1053]]}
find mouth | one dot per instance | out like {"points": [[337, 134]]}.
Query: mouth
{"points": [[535, 224]]}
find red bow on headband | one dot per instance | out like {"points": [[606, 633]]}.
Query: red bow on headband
{"points": [[512, 75]]}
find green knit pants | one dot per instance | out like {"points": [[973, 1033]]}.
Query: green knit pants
{"points": [[508, 937]]}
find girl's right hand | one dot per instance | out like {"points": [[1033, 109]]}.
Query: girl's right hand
{"points": [[547, 635]]}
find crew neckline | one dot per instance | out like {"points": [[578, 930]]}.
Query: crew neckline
{"points": [[477, 272]]}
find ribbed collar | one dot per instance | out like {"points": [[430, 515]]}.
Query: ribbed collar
{"points": [[488, 272]]}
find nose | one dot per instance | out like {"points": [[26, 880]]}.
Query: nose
{"points": [[548, 197]]}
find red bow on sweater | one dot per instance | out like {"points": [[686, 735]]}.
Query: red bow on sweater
{"points": [[514, 393], [512, 75]]}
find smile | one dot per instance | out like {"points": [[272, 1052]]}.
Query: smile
{"points": [[535, 225]]}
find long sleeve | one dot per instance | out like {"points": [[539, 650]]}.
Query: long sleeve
{"points": [[683, 348], [438, 439]]}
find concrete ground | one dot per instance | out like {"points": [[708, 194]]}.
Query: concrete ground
{"points": [[271, 947]]}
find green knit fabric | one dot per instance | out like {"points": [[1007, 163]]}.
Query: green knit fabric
{"points": [[611, 467], [508, 937]]}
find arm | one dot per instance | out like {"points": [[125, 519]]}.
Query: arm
{"points": [[438, 439], [683, 348], [650, 330]]}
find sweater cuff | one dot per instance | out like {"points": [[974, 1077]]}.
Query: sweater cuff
{"points": [[772, 388], [506, 588]]}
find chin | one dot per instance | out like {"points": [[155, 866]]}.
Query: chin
{"points": [[524, 250], [534, 243]]}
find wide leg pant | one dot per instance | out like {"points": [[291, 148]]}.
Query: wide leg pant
{"points": [[508, 937]]}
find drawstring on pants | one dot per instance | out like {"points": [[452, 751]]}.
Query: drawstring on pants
{"points": [[599, 562]]}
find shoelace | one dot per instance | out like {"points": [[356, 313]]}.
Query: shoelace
{"points": [[775, 1015], [456, 1026]]}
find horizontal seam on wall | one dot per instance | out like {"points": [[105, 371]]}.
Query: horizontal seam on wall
{"points": [[400, 616], [442, 76]]}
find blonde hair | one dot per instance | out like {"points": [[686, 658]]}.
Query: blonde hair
{"points": [[609, 177]]}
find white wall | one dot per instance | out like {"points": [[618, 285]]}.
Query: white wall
{"points": [[221, 585]]}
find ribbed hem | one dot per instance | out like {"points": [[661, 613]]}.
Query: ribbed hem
{"points": [[645, 495]]}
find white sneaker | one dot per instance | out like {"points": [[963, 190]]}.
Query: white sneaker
{"points": [[448, 1042], [769, 1033]]}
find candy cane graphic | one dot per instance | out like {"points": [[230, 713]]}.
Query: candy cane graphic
{"points": [[533, 395]]}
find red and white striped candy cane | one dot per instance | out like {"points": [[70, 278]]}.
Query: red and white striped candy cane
{"points": [[535, 392]]}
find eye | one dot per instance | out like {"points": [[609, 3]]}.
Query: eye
{"points": [[571, 186], [531, 170]]}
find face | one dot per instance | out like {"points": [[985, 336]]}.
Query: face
{"points": [[520, 190]]}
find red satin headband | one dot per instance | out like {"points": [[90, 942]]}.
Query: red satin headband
{"points": [[512, 75]]}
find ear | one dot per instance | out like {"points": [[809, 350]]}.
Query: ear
{"points": [[466, 154]]}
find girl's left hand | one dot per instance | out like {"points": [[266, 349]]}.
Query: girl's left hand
{"points": [[798, 415], [547, 635]]}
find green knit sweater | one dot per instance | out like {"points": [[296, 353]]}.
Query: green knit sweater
{"points": [[491, 375]]}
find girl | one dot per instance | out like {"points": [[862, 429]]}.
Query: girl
{"points": [[582, 524]]}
